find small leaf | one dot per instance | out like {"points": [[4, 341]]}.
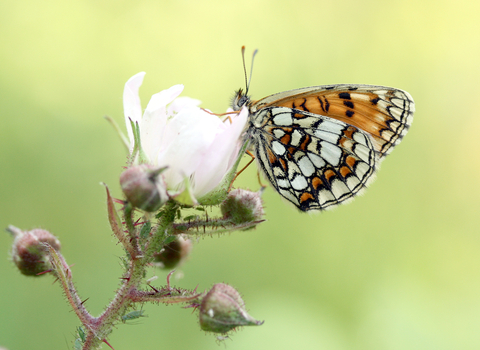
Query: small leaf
{"points": [[116, 225], [81, 334], [133, 315]]}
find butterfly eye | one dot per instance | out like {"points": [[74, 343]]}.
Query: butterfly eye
{"points": [[242, 101], [239, 100]]}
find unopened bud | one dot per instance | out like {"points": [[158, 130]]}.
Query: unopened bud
{"points": [[242, 206], [143, 187], [223, 309], [28, 251], [174, 253]]}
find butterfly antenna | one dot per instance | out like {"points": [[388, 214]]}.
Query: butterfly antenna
{"points": [[244, 67], [251, 69], [249, 79]]}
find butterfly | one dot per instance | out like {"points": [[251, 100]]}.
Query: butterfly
{"points": [[321, 146]]}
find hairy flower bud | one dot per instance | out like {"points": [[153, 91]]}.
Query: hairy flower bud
{"points": [[28, 251], [143, 187], [223, 309], [174, 253], [242, 206]]}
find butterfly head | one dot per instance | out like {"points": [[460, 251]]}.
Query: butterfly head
{"points": [[239, 100]]}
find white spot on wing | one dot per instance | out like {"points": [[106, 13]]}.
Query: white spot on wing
{"points": [[362, 152], [316, 160], [330, 153], [327, 136], [282, 118], [283, 183], [296, 137], [278, 148], [306, 166], [278, 133], [330, 126], [360, 138], [299, 182]]}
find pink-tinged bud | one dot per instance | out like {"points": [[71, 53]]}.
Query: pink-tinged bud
{"points": [[242, 206], [223, 309], [28, 251], [174, 253], [143, 187]]}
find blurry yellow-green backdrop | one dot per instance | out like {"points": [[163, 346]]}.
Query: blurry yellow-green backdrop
{"points": [[399, 268]]}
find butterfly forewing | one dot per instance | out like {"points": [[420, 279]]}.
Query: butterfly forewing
{"points": [[385, 113], [320, 146]]}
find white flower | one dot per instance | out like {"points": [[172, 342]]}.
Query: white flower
{"points": [[198, 148]]}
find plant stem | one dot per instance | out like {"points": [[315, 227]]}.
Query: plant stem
{"points": [[100, 327]]}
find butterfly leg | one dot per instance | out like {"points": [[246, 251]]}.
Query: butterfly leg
{"points": [[260, 181], [245, 167]]}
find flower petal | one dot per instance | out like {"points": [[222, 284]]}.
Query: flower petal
{"points": [[155, 119], [131, 103], [220, 156], [182, 102], [188, 136]]}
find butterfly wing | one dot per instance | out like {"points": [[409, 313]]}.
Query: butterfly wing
{"points": [[312, 160], [384, 113]]}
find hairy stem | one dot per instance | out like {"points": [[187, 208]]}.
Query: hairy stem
{"points": [[99, 328], [62, 272]]}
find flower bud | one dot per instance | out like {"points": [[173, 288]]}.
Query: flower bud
{"points": [[143, 187], [223, 309], [242, 206], [28, 251], [174, 253]]}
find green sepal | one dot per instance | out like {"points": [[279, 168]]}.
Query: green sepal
{"points": [[119, 131], [186, 197], [137, 153]]}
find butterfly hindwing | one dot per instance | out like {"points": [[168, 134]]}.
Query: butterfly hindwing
{"points": [[313, 161]]}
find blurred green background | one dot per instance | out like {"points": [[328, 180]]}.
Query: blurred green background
{"points": [[399, 268]]}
